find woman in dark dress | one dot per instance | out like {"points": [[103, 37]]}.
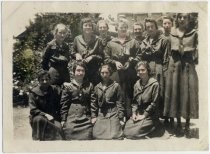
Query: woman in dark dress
{"points": [[181, 95], [121, 52], [75, 106], [155, 49], [44, 102], [56, 56], [145, 119], [86, 49], [104, 36], [107, 108], [167, 23]]}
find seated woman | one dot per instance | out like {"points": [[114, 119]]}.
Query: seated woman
{"points": [[75, 102], [144, 121], [107, 108], [44, 105]]}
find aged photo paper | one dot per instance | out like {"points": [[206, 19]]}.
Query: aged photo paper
{"points": [[16, 16]]}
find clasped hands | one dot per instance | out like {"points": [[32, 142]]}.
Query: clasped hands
{"points": [[137, 117]]}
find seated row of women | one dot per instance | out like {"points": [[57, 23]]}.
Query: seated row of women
{"points": [[80, 111]]}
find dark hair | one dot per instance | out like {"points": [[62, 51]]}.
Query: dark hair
{"points": [[109, 68], [42, 73], [140, 24], [191, 20], [82, 64], [150, 20], [145, 64], [85, 20], [102, 21], [168, 17]]}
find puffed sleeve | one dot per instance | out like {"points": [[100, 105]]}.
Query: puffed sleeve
{"points": [[34, 110], [155, 96], [166, 46], [74, 48], [94, 103], [120, 103], [108, 55], [46, 58], [195, 56], [65, 103]]}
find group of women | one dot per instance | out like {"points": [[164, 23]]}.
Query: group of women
{"points": [[120, 86]]}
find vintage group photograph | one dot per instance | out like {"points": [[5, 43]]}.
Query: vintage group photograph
{"points": [[95, 76]]}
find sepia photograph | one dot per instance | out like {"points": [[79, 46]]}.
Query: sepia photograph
{"points": [[105, 76]]}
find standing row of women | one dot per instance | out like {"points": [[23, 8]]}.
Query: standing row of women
{"points": [[89, 108]]}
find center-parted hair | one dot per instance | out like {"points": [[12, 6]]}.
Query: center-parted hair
{"points": [[81, 64], [85, 20], [139, 24], [145, 64], [42, 73], [110, 69], [150, 20], [169, 18], [102, 21], [61, 26]]}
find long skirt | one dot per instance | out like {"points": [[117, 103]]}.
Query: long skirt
{"points": [[107, 128], [78, 128], [189, 92], [158, 74], [150, 127], [44, 130], [126, 79], [172, 88]]}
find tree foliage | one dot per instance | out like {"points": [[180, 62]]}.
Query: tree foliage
{"points": [[30, 44]]}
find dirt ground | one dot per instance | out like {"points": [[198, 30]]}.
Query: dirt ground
{"points": [[22, 128]]}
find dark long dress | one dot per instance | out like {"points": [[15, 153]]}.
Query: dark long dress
{"points": [[41, 104], [86, 50], [125, 53], [145, 103], [181, 95], [156, 52], [55, 60], [107, 106], [75, 111]]}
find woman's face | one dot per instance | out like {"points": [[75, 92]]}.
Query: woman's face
{"points": [[79, 72], [61, 34], [137, 29], [122, 29], [167, 24], [183, 20], [87, 28], [44, 81], [151, 28], [105, 74], [142, 72], [102, 27]]}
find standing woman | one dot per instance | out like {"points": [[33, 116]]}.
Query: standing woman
{"points": [[103, 37], [154, 49], [75, 106], [181, 97], [121, 52], [57, 55], [86, 49], [107, 108], [145, 120], [167, 23], [44, 103]]}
